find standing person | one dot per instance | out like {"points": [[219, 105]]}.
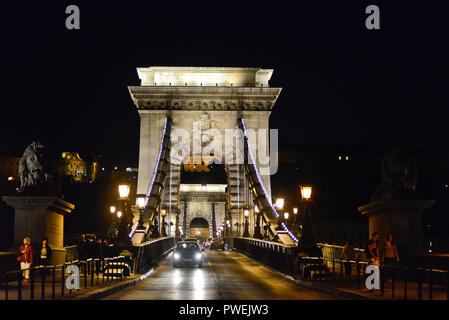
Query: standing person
{"points": [[25, 257], [99, 254], [390, 254], [82, 248], [372, 251], [348, 253], [45, 254]]}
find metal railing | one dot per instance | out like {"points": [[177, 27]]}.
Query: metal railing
{"points": [[92, 272], [331, 251], [274, 254], [400, 278], [151, 252]]}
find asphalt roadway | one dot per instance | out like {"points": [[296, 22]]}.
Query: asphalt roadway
{"points": [[226, 275]]}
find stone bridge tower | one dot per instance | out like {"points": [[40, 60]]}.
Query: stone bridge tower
{"points": [[215, 97]]}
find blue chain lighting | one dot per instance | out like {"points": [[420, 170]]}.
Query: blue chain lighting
{"points": [[260, 182], [150, 188]]}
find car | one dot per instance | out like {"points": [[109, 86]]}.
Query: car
{"points": [[191, 240], [195, 240], [188, 253], [217, 244]]}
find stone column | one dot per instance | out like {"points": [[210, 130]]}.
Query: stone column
{"points": [[402, 219], [38, 217]]}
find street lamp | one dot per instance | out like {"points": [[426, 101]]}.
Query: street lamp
{"points": [[306, 201], [123, 190], [286, 214], [246, 232], [279, 203], [112, 209], [295, 210], [140, 204], [257, 233], [164, 231], [306, 192]]}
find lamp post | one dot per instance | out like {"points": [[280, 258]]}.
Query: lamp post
{"points": [[112, 232], [257, 214], [164, 222], [123, 190], [279, 204], [306, 200], [140, 204], [286, 216], [246, 232]]}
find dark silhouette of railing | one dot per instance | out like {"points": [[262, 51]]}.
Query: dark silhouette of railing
{"points": [[93, 272], [274, 254], [150, 253], [400, 277]]}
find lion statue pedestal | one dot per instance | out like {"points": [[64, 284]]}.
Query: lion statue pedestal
{"points": [[396, 208], [38, 217], [38, 208]]}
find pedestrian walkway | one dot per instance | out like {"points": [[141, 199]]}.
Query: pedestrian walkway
{"points": [[57, 289], [393, 290]]}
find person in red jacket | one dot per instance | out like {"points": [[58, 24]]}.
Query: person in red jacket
{"points": [[25, 257]]}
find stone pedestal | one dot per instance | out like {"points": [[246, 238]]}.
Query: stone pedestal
{"points": [[402, 219], [38, 217]]}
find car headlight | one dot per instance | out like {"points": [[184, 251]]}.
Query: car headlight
{"points": [[198, 256], [176, 256]]}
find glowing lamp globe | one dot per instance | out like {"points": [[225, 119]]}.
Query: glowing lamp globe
{"points": [[306, 192], [140, 201], [123, 191]]}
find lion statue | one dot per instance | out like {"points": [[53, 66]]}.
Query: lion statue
{"points": [[33, 168], [399, 175]]}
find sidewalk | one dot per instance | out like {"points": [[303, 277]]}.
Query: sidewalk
{"points": [[352, 286], [100, 288]]}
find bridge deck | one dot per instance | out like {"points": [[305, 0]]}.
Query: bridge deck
{"points": [[225, 275]]}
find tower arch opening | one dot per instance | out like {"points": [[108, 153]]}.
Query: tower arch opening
{"points": [[199, 228]]}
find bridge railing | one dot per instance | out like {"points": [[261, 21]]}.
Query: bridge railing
{"points": [[50, 281], [274, 254], [151, 252], [331, 251]]}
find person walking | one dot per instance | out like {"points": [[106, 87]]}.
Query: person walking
{"points": [[45, 255], [25, 257], [390, 255], [348, 253]]}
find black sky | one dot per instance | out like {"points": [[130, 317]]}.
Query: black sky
{"points": [[342, 84]]}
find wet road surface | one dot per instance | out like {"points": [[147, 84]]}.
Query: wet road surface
{"points": [[225, 275]]}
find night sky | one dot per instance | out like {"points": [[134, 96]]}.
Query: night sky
{"points": [[342, 84]]}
